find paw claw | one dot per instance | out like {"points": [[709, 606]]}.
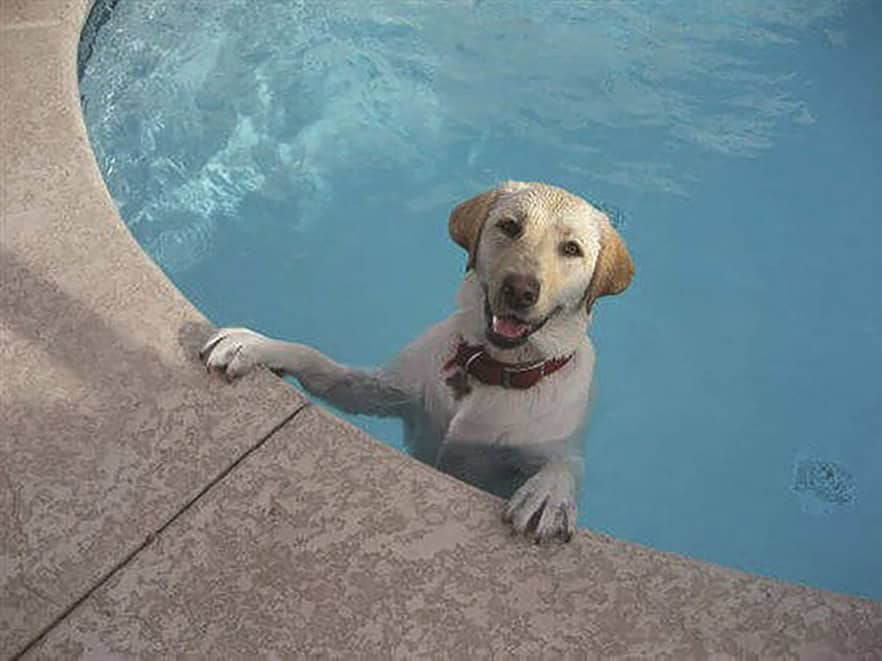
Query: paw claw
{"points": [[544, 507], [232, 351], [215, 337]]}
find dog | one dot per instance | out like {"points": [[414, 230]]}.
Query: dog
{"points": [[498, 393]]}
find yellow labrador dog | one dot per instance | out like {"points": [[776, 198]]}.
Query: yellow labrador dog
{"points": [[498, 393]]}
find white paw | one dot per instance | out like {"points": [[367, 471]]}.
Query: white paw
{"points": [[233, 351], [545, 505]]}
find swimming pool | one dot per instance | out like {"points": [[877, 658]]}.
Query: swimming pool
{"points": [[291, 166]]}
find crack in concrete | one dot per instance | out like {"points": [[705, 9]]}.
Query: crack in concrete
{"points": [[152, 536]]}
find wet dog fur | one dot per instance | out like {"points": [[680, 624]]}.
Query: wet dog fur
{"points": [[539, 257]]}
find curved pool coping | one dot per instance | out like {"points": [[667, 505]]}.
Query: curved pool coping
{"points": [[151, 509]]}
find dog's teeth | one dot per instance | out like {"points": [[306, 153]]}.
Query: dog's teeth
{"points": [[508, 328]]}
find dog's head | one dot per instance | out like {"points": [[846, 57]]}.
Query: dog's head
{"points": [[542, 257]]}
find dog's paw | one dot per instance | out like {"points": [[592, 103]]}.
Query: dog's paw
{"points": [[233, 351], [545, 505]]}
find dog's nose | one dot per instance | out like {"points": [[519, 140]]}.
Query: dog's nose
{"points": [[520, 292]]}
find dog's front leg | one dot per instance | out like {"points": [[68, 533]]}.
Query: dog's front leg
{"points": [[545, 505], [236, 351]]}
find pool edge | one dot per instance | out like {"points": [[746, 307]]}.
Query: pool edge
{"points": [[855, 626]]}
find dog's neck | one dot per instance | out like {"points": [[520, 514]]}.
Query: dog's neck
{"points": [[555, 340]]}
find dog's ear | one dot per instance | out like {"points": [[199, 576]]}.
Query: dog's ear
{"points": [[614, 268], [467, 220]]}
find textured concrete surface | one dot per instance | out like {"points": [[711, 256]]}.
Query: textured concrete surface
{"points": [[325, 543], [147, 510], [41, 13], [108, 424]]}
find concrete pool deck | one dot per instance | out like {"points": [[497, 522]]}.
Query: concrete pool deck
{"points": [[148, 509]]}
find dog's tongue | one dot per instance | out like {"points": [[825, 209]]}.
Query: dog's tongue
{"points": [[509, 327]]}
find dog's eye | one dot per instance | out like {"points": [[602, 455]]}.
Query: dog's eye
{"points": [[511, 228], [570, 249]]}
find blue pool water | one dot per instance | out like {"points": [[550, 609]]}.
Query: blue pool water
{"points": [[291, 165]]}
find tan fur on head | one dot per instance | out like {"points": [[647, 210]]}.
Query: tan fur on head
{"points": [[614, 268], [467, 219], [547, 219]]}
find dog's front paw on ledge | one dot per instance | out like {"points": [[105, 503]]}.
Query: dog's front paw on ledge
{"points": [[233, 352], [544, 507]]}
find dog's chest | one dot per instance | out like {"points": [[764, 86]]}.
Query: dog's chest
{"points": [[549, 411], [472, 412]]}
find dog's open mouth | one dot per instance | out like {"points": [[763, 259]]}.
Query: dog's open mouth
{"points": [[509, 331]]}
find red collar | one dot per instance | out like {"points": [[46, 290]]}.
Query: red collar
{"points": [[485, 369]]}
